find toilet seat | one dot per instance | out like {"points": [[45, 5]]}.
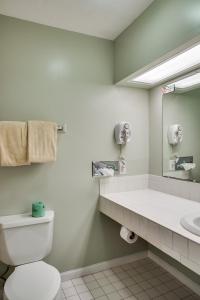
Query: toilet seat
{"points": [[34, 281]]}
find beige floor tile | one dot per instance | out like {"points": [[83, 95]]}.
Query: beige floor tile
{"points": [[81, 288], [124, 293], [108, 288], [135, 289], [92, 285], [71, 291], [97, 292], [77, 281], [103, 281], [114, 296], [86, 296]]}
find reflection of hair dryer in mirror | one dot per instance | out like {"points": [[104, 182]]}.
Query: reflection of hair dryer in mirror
{"points": [[175, 134], [122, 132]]}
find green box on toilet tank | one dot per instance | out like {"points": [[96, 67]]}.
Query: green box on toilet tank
{"points": [[38, 209]]}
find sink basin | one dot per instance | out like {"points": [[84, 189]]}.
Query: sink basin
{"points": [[192, 223]]}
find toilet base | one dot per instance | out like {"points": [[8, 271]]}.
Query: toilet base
{"points": [[58, 296]]}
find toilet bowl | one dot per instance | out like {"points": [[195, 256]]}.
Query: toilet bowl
{"points": [[34, 281]]}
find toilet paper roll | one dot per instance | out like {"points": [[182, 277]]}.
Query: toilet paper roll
{"points": [[128, 236]]}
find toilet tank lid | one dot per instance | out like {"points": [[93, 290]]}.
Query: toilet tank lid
{"points": [[24, 219]]}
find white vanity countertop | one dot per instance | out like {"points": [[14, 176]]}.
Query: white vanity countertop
{"points": [[163, 209]]}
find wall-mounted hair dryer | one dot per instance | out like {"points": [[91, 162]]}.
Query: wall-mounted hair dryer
{"points": [[175, 134], [123, 133]]}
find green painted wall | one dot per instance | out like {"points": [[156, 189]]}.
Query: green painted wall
{"points": [[164, 26], [52, 74]]}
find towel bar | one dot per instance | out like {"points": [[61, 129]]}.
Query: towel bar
{"points": [[62, 128]]}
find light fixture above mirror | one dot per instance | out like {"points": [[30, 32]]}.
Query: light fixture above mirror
{"points": [[172, 67], [190, 81]]}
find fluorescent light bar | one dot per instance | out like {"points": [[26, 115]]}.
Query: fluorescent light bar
{"points": [[187, 81], [173, 66]]}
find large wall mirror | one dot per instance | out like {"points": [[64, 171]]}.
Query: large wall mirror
{"points": [[181, 128]]}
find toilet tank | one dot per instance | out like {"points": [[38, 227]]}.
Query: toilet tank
{"points": [[24, 239]]}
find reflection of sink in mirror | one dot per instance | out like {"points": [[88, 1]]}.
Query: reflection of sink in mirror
{"points": [[192, 223], [180, 174]]}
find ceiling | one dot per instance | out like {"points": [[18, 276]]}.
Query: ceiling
{"points": [[101, 18]]}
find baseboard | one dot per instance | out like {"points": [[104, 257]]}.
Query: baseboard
{"points": [[172, 270], [102, 266]]}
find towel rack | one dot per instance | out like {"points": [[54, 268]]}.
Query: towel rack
{"points": [[62, 128]]}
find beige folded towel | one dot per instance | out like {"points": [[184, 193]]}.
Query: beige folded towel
{"points": [[42, 141], [13, 143]]}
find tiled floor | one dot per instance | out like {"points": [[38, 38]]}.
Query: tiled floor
{"points": [[140, 280]]}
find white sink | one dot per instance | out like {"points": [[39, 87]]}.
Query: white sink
{"points": [[192, 223]]}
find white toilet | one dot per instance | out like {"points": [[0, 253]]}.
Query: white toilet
{"points": [[24, 242]]}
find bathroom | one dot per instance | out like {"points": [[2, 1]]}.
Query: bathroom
{"points": [[75, 63]]}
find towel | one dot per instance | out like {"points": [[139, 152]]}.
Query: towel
{"points": [[42, 141], [188, 166], [13, 143]]}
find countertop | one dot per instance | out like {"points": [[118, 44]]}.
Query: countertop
{"points": [[163, 209]]}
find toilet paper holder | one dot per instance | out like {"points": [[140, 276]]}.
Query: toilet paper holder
{"points": [[127, 235]]}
